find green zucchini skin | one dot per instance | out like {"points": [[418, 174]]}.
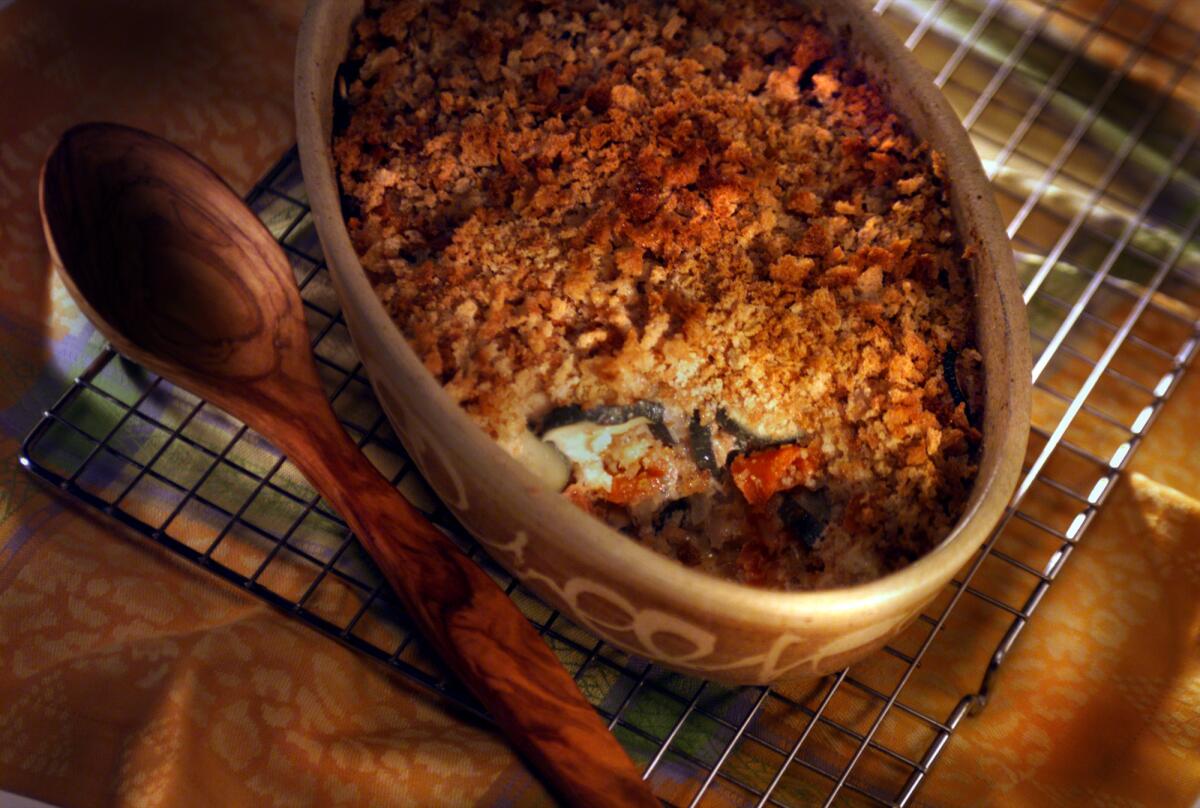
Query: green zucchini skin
{"points": [[747, 441], [700, 445], [805, 514], [609, 415]]}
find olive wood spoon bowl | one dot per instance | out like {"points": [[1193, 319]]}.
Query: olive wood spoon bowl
{"points": [[180, 276]]}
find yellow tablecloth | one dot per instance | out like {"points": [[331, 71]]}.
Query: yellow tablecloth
{"points": [[127, 677]]}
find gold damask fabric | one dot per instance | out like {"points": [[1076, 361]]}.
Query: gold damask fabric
{"points": [[130, 678]]}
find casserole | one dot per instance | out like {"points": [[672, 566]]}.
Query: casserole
{"points": [[636, 599]]}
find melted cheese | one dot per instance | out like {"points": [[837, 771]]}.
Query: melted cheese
{"points": [[584, 444]]}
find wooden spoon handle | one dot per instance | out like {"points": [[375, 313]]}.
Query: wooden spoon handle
{"points": [[478, 632]]}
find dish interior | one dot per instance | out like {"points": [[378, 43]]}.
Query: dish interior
{"points": [[685, 263]]}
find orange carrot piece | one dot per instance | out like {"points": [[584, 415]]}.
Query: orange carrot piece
{"points": [[647, 483], [761, 475]]}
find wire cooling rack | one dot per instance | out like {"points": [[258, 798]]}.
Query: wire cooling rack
{"points": [[1081, 115]]}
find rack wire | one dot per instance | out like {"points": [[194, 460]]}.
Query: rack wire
{"points": [[1082, 117]]}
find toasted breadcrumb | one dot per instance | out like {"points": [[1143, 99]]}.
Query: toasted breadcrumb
{"points": [[697, 203]]}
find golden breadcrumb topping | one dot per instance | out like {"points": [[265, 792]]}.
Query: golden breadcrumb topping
{"points": [[700, 204]]}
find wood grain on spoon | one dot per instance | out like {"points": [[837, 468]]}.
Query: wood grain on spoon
{"points": [[181, 277]]}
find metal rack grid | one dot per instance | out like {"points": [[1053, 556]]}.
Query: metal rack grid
{"points": [[1104, 225]]}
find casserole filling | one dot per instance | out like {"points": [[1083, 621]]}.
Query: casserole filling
{"points": [[680, 259]]}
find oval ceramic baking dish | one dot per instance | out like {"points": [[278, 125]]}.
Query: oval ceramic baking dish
{"points": [[638, 600]]}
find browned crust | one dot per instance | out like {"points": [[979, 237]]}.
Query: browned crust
{"points": [[702, 204]]}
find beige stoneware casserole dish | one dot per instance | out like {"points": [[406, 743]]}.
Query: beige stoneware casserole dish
{"points": [[626, 593]]}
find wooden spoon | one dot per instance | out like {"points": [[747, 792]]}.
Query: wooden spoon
{"points": [[181, 277]]}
